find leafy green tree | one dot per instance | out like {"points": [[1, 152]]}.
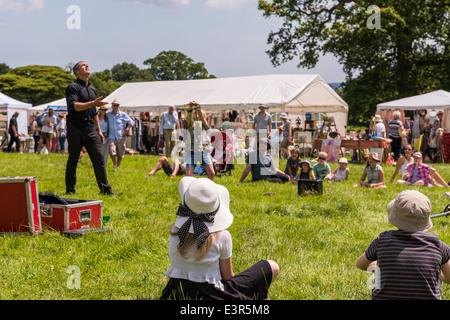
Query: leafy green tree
{"points": [[4, 68], [104, 83], [129, 72], [174, 65], [398, 49], [35, 84]]}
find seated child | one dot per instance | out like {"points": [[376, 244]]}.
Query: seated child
{"points": [[322, 169], [374, 173], [293, 164], [340, 173], [201, 247], [408, 262], [306, 171]]}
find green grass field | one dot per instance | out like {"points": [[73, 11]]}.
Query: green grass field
{"points": [[315, 240]]}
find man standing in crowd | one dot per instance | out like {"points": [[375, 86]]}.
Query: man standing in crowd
{"points": [[119, 124], [167, 127], [262, 121], [83, 129], [47, 131], [13, 133]]}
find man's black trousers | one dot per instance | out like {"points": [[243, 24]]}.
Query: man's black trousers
{"points": [[77, 139]]}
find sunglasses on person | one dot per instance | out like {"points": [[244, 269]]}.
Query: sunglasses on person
{"points": [[320, 158]]}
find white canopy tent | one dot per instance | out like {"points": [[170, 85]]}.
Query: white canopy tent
{"points": [[436, 100], [10, 106], [294, 94], [41, 108]]}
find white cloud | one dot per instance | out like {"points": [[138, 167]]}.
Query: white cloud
{"points": [[19, 6], [163, 3], [228, 4]]}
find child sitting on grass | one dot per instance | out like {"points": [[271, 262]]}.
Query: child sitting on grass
{"points": [[293, 164], [373, 172], [322, 169], [341, 173], [408, 262], [306, 171]]}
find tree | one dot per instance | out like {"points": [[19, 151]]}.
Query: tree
{"points": [[129, 72], [388, 52], [174, 65], [4, 68], [104, 83], [35, 84]]}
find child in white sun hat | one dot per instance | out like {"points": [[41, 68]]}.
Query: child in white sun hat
{"points": [[200, 249], [410, 262]]}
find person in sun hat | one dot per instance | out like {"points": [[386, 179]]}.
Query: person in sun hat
{"points": [[379, 129], [287, 135], [409, 262], [341, 173], [373, 172], [200, 249]]}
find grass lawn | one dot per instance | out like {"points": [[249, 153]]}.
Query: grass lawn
{"points": [[315, 240]]}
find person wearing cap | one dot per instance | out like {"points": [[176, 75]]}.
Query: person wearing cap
{"points": [[341, 173], [200, 249], [409, 262], [287, 135], [48, 130], [262, 122], [119, 124], [262, 166], [83, 129], [379, 129], [373, 172], [418, 173]]}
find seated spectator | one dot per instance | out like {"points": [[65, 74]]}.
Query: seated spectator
{"points": [[403, 162], [306, 171], [321, 169], [293, 164], [341, 173], [200, 249], [373, 172], [409, 262], [262, 166], [421, 174]]}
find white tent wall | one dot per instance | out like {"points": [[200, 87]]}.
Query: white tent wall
{"points": [[294, 94], [10, 106], [436, 100]]}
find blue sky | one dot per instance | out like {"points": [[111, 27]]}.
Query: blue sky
{"points": [[229, 36]]}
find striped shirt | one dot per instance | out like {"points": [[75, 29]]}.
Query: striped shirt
{"points": [[393, 126], [409, 265]]}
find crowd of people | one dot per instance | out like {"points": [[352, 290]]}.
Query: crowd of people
{"points": [[200, 245]]}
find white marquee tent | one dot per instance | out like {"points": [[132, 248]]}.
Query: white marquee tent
{"points": [[436, 100], [294, 94], [10, 106]]}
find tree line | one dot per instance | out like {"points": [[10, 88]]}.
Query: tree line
{"points": [[41, 84], [388, 49]]}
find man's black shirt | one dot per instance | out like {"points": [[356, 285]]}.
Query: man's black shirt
{"points": [[78, 91]]}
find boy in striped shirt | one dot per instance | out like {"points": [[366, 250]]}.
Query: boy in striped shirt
{"points": [[410, 262]]}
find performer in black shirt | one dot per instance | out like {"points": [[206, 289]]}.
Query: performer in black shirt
{"points": [[83, 129]]}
